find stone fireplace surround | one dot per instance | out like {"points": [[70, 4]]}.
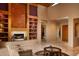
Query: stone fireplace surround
{"points": [[17, 33]]}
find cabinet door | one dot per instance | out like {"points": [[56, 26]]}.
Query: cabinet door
{"points": [[18, 15]]}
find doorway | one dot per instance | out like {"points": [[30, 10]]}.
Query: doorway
{"points": [[43, 32], [65, 33]]}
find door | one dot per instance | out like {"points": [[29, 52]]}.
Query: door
{"points": [[65, 33], [43, 32]]}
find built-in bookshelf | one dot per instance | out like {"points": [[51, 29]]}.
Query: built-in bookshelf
{"points": [[32, 28], [3, 27], [33, 21]]}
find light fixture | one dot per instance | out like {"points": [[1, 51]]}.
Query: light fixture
{"points": [[55, 4]]}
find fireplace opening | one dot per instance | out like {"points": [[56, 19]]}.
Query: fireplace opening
{"points": [[18, 37]]}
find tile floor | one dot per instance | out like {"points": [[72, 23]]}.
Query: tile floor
{"points": [[66, 49], [39, 46]]}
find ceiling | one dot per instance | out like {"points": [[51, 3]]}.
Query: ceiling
{"points": [[43, 4], [46, 4]]}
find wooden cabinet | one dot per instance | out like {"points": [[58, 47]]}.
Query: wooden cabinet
{"points": [[18, 18]]}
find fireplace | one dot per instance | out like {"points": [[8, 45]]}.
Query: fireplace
{"points": [[18, 36]]}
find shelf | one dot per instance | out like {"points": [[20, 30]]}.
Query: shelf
{"points": [[4, 32], [5, 23], [5, 18], [3, 37], [33, 23], [4, 28], [32, 28]]}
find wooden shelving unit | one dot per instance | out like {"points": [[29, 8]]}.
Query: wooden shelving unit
{"points": [[4, 28], [32, 28], [33, 21]]}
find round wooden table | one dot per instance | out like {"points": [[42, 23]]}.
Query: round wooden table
{"points": [[41, 53]]}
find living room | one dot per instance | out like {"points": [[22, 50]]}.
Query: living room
{"points": [[34, 26]]}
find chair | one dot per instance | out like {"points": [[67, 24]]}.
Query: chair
{"points": [[26, 53], [54, 51], [42, 53]]}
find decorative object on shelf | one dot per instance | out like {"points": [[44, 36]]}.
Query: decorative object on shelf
{"points": [[1, 30], [1, 26], [1, 16]]}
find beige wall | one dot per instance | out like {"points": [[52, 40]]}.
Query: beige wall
{"points": [[69, 11], [63, 10], [51, 32], [42, 15], [42, 12]]}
